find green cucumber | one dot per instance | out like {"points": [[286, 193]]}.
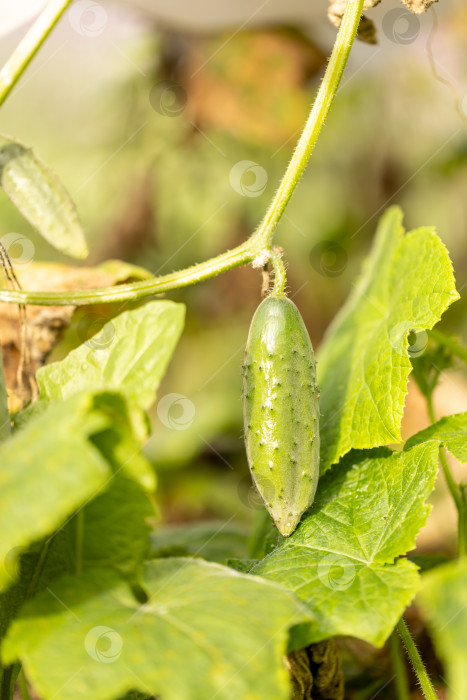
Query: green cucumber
{"points": [[281, 413]]}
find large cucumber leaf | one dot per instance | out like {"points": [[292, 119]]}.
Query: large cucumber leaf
{"points": [[205, 632], [64, 458], [344, 558], [364, 362]]}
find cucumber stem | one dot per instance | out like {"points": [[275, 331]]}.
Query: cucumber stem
{"points": [[280, 277]]}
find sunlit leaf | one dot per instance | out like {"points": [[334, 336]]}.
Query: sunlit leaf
{"points": [[205, 631], [129, 354], [343, 560], [364, 362]]}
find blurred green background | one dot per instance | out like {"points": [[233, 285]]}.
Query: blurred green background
{"points": [[145, 124]]}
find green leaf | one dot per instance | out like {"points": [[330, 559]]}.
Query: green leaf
{"points": [[443, 600], [33, 570], [450, 431], [205, 631], [364, 365], [130, 354], [41, 198], [110, 531], [342, 559], [213, 540], [61, 460], [46, 472], [5, 423], [115, 533]]}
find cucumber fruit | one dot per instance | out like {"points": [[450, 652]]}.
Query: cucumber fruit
{"points": [[281, 413]]}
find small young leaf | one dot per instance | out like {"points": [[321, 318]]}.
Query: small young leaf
{"points": [[41, 198], [342, 559], [130, 354], [364, 365], [450, 431], [206, 631], [443, 600]]}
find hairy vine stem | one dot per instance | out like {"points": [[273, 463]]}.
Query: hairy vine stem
{"points": [[280, 277], [416, 661], [260, 241]]}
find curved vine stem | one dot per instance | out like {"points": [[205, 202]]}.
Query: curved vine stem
{"points": [[29, 46], [124, 292], [260, 241]]}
